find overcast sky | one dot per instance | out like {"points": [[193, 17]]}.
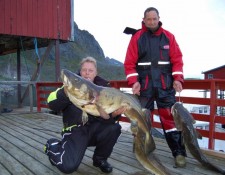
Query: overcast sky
{"points": [[198, 25]]}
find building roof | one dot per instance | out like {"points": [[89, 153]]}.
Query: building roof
{"points": [[220, 67]]}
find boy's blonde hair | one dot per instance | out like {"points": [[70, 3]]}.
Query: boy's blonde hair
{"points": [[90, 60]]}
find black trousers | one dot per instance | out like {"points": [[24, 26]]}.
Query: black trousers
{"points": [[69, 152]]}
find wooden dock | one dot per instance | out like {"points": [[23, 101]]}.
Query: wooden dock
{"points": [[23, 134]]}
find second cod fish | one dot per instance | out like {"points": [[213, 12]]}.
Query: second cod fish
{"points": [[184, 123]]}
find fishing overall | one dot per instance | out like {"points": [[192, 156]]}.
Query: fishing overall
{"points": [[67, 154], [155, 76]]}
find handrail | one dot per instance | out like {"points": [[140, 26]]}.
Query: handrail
{"points": [[209, 88], [43, 89]]}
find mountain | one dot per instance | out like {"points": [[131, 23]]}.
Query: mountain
{"points": [[71, 54]]}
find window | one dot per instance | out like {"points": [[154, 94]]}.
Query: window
{"points": [[205, 109], [210, 76]]}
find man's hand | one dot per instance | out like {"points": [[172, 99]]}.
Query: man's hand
{"points": [[136, 88], [177, 86], [118, 112]]}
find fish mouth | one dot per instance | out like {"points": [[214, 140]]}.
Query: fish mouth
{"points": [[61, 75], [64, 77], [68, 77], [172, 110], [65, 73]]}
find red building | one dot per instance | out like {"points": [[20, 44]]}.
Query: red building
{"points": [[28, 19], [31, 24], [216, 73]]}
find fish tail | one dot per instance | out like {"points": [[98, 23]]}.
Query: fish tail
{"points": [[158, 167], [148, 161], [215, 168]]}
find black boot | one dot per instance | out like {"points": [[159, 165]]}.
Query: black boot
{"points": [[175, 142], [102, 164]]}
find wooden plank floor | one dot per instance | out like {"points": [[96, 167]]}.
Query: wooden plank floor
{"points": [[22, 136]]}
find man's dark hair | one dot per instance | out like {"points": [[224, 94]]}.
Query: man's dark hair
{"points": [[151, 9]]}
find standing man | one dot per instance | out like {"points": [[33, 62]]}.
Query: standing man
{"points": [[66, 154], [154, 68]]}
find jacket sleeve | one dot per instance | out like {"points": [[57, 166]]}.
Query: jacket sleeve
{"points": [[131, 60], [176, 60], [57, 100]]}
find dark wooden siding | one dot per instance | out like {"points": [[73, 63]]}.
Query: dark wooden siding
{"points": [[51, 19]]}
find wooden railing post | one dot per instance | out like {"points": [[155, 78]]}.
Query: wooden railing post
{"points": [[38, 97], [213, 105], [31, 97]]}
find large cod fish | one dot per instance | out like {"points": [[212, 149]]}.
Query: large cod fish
{"points": [[184, 122], [101, 101]]}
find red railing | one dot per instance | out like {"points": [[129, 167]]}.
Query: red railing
{"points": [[43, 89], [209, 88]]}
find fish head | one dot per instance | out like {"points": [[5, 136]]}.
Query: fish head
{"points": [[176, 115], [174, 110], [76, 87]]}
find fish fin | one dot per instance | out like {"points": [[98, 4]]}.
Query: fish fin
{"points": [[102, 112], [134, 127], [149, 148], [84, 117], [134, 98], [134, 130]]}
